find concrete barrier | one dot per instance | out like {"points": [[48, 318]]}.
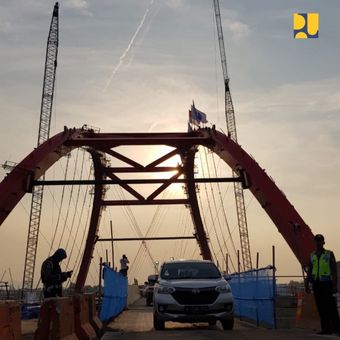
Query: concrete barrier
{"points": [[10, 320], [56, 320], [84, 330], [93, 317], [133, 294]]}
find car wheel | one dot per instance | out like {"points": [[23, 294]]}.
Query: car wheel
{"points": [[158, 325], [228, 324], [212, 323]]}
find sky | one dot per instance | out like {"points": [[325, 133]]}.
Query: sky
{"points": [[136, 65]]}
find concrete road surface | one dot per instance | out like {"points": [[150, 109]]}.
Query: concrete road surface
{"points": [[136, 323]]}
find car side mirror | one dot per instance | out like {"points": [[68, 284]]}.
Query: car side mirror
{"points": [[152, 279], [227, 277]]}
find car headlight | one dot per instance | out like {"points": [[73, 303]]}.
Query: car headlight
{"points": [[223, 289], [165, 290]]}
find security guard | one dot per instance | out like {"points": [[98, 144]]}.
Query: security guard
{"points": [[322, 273], [51, 275]]}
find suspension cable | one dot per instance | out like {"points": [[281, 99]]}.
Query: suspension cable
{"points": [[214, 202], [77, 199], [69, 201], [223, 210], [210, 210], [60, 206]]}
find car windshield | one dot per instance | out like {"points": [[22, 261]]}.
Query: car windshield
{"points": [[189, 270]]}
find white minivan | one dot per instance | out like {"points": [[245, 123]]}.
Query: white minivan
{"points": [[192, 291]]}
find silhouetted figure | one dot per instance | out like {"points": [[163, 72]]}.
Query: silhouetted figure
{"points": [[51, 275], [124, 265], [322, 273]]}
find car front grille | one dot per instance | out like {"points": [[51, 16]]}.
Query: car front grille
{"points": [[195, 296]]}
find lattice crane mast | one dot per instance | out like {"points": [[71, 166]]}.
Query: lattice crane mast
{"points": [[44, 133], [231, 127]]}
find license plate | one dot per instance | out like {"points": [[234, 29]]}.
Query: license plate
{"points": [[196, 309]]}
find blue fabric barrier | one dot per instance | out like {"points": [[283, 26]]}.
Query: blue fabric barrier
{"points": [[254, 295], [30, 311], [115, 294]]}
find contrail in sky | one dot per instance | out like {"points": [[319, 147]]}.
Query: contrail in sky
{"points": [[123, 56]]}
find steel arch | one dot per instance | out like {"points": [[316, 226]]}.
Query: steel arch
{"points": [[289, 223], [287, 220]]}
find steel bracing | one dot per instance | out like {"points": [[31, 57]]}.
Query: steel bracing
{"points": [[43, 136]]}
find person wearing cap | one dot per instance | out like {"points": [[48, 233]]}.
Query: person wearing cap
{"points": [[51, 275], [322, 274]]}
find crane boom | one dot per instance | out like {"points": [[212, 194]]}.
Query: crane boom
{"points": [[231, 127], [44, 133]]}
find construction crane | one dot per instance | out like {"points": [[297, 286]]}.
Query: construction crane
{"points": [[231, 127], [44, 133]]}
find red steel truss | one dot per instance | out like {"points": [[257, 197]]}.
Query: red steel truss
{"points": [[287, 220]]}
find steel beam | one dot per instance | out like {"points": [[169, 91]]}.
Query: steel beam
{"points": [[145, 202], [143, 169], [147, 238], [103, 143], [136, 181]]}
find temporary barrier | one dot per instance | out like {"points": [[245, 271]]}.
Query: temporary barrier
{"points": [[84, 330], [30, 311], [30, 305], [306, 313], [56, 320], [10, 322], [115, 294], [93, 317], [254, 293], [299, 296]]}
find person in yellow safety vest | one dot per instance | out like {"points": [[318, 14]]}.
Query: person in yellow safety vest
{"points": [[322, 274]]}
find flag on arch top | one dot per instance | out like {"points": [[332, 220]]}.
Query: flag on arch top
{"points": [[197, 117]]}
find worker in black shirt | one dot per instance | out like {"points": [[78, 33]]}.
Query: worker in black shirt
{"points": [[322, 274], [51, 275]]}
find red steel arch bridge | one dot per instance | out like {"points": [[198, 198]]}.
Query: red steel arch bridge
{"points": [[30, 173]]}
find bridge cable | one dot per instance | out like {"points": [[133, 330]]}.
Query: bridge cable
{"points": [[210, 210], [77, 228], [77, 200], [208, 231], [69, 201], [60, 206], [223, 210], [214, 202], [134, 222], [78, 257]]}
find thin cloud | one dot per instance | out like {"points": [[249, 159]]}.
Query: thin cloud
{"points": [[290, 100], [5, 26], [231, 22], [174, 3], [239, 29], [80, 4]]}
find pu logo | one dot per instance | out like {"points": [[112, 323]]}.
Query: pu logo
{"points": [[306, 25]]}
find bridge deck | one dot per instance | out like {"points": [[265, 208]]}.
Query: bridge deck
{"points": [[136, 323]]}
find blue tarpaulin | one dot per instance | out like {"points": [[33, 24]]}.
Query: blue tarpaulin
{"points": [[115, 294], [254, 295], [30, 311]]}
